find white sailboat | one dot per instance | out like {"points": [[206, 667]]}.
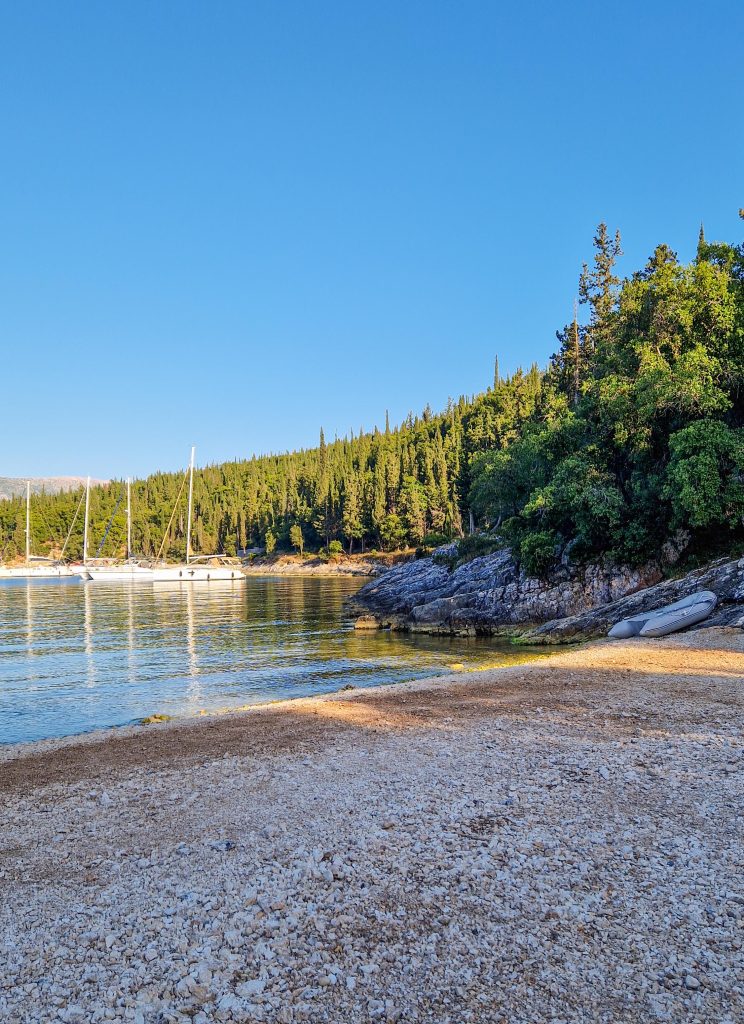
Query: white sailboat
{"points": [[197, 568], [131, 570], [35, 566]]}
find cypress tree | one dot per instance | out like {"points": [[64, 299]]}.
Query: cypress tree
{"points": [[701, 246], [576, 351]]}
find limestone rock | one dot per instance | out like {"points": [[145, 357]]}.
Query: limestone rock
{"points": [[492, 595]]}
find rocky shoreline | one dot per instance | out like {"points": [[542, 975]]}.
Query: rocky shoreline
{"points": [[550, 842], [344, 565], [492, 596]]}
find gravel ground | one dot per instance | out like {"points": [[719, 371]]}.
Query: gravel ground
{"points": [[559, 841]]}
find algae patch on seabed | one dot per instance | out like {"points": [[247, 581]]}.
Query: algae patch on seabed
{"points": [[520, 657], [155, 719]]}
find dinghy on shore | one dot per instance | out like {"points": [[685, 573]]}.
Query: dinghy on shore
{"points": [[669, 619]]}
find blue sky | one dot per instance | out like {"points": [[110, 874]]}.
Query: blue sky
{"points": [[227, 224]]}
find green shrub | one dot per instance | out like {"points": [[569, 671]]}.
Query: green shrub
{"points": [[447, 559], [477, 544], [429, 542], [537, 552]]}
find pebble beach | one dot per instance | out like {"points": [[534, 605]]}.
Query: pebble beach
{"points": [[555, 842]]}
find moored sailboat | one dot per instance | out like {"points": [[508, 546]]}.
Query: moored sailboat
{"points": [[35, 566], [131, 570], [197, 568]]}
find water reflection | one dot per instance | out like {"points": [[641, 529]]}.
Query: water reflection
{"points": [[190, 634], [29, 625], [75, 657], [90, 667], [131, 662]]}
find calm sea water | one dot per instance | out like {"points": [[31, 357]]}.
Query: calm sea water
{"points": [[75, 656]]}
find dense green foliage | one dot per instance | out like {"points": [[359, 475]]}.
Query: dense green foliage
{"points": [[634, 432], [638, 430]]}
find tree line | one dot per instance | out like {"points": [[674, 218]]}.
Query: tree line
{"points": [[632, 436]]}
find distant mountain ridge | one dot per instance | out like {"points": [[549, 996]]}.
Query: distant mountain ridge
{"points": [[12, 486]]}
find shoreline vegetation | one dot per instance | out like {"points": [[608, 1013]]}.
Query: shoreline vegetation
{"points": [[631, 438], [448, 818]]}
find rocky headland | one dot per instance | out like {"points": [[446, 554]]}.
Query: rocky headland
{"points": [[491, 595]]}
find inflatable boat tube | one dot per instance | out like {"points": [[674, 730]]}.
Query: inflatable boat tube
{"points": [[660, 625], [637, 624]]}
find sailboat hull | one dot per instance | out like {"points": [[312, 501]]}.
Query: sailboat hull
{"points": [[119, 574], [34, 572], [160, 573], [195, 573]]}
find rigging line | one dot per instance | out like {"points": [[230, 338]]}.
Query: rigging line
{"points": [[120, 538], [110, 523], [72, 524], [173, 513]]}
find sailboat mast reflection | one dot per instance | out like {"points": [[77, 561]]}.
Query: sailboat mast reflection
{"points": [[131, 661], [88, 637], [29, 625], [191, 632]]}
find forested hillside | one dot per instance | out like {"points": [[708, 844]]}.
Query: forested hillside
{"points": [[633, 433]]}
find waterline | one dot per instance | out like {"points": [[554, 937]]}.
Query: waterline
{"points": [[76, 657]]}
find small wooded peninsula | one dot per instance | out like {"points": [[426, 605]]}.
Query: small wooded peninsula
{"points": [[632, 436]]}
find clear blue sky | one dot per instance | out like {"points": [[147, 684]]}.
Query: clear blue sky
{"points": [[227, 224]]}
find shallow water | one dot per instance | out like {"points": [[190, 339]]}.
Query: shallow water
{"points": [[76, 657]]}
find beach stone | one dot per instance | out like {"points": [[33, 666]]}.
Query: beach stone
{"points": [[563, 837]]}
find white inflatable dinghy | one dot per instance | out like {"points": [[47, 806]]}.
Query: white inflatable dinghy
{"points": [[661, 621]]}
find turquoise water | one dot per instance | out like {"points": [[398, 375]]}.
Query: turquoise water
{"points": [[76, 657]]}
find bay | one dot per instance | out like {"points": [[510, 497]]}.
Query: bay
{"points": [[76, 657]]}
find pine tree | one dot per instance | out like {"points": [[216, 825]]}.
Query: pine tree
{"points": [[596, 286]]}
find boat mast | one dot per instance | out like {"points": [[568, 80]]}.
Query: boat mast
{"points": [[191, 505], [28, 521], [129, 518], [85, 526]]}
